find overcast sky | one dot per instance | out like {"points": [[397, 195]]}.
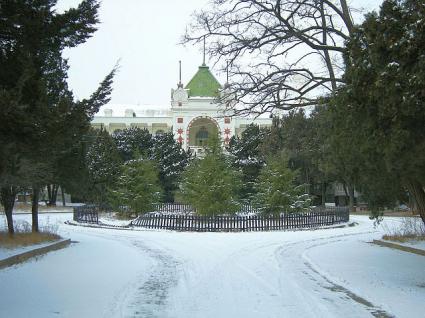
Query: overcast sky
{"points": [[144, 36]]}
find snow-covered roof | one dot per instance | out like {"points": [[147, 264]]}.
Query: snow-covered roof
{"points": [[126, 110]]}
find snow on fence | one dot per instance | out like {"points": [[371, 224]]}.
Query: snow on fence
{"points": [[173, 208], [176, 208], [87, 214], [232, 223], [176, 218]]}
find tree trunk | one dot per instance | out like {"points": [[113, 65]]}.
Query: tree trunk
{"points": [[55, 195], [412, 204], [347, 196], [351, 198], [52, 191], [307, 181], [324, 193], [416, 190], [63, 196], [49, 193], [34, 208], [7, 197]]}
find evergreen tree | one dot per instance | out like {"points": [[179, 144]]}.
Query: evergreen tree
{"points": [[273, 139], [296, 132], [338, 155], [163, 149], [277, 191], [299, 137], [36, 104], [210, 184], [137, 187], [171, 159], [382, 106], [248, 157], [70, 124], [103, 165], [133, 142]]}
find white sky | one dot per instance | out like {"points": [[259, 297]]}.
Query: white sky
{"points": [[144, 36]]}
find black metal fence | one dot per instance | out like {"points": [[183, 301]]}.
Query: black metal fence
{"points": [[174, 208], [87, 214], [177, 208], [220, 223], [177, 218]]}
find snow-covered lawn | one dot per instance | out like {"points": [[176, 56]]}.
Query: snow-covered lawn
{"points": [[121, 273]]}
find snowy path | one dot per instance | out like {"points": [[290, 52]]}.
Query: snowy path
{"points": [[260, 275], [323, 273]]}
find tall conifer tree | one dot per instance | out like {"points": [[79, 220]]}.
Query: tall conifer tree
{"points": [[36, 104], [381, 110]]}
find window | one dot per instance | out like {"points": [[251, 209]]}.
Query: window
{"points": [[201, 136]]}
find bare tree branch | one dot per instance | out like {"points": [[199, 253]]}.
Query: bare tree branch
{"points": [[282, 54]]}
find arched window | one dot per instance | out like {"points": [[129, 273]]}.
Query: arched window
{"points": [[201, 136]]}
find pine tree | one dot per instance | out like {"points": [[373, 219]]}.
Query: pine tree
{"points": [[381, 110], [210, 184], [172, 159], [248, 157], [273, 140], [36, 105], [133, 142], [103, 164], [163, 149], [277, 191], [137, 187]]}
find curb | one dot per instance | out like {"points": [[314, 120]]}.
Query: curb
{"points": [[20, 258], [100, 225], [400, 247]]}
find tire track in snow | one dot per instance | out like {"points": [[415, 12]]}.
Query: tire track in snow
{"points": [[281, 284], [147, 295], [236, 283], [376, 311], [295, 288], [323, 284], [151, 298]]}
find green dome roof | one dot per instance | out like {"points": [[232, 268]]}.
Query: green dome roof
{"points": [[203, 83]]}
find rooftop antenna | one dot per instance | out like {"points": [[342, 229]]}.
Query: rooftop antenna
{"points": [[203, 61], [180, 85]]}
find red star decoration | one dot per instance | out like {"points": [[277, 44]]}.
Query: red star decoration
{"points": [[227, 131], [226, 140], [180, 139], [180, 131]]}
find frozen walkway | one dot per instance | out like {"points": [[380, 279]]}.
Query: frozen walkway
{"points": [[111, 273]]}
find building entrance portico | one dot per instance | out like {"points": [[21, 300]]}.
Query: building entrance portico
{"points": [[199, 131]]}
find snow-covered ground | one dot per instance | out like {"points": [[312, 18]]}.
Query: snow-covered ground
{"points": [[122, 273], [414, 244], [5, 252]]}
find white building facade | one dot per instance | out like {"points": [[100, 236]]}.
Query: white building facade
{"points": [[195, 115]]}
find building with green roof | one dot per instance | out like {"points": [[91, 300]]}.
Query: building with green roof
{"points": [[196, 114], [203, 84]]}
